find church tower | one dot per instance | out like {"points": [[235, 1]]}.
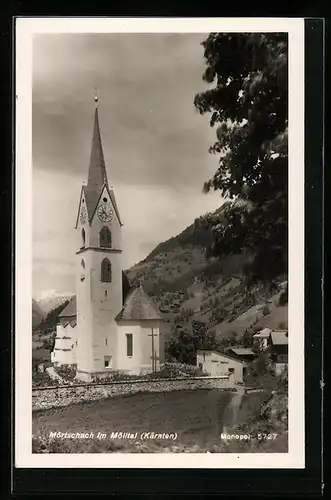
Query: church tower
{"points": [[99, 270]]}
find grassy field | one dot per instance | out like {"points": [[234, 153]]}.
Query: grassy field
{"points": [[196, 416]]}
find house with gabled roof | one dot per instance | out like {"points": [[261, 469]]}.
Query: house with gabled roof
{"points": [[239, 352], [221, 364], [108, 325], [278, 348], [260, 339]]}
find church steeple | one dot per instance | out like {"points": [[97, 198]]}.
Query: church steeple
{"points": [[97, 175], [97, 179]]}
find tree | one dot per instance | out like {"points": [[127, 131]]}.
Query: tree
{"points": [[250, 105], [49, 323], [183, 344]]}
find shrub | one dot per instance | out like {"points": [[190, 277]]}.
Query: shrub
{"points": [[261, 365], [42, 379], [185, 368], [67, 372]]}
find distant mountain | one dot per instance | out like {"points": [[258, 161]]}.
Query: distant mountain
{"points": [[46, 306], [50, 299], [37, 314], [190, 286]]}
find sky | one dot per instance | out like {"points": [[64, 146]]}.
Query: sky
{"points": [[155, 142]]}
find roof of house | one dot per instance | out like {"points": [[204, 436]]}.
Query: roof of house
{"points": [[279, 337], [221, 354], [138, 306], [241, 351], [263, 334]]}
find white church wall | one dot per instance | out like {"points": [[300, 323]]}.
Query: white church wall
{"points": [[125, 362], [65, 347], [104, 340], [84, 314], [66, 357], [140, 361]]}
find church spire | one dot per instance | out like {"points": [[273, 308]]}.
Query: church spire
{"points": [[97, 175]]}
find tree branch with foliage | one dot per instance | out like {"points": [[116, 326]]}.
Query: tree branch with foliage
{"points": [[249, 102]]}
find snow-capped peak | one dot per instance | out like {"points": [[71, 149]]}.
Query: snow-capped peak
{"points": [[49, 299], [51, 294]]}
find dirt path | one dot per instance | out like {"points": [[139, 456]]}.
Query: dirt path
{"points": [[231, 412]]}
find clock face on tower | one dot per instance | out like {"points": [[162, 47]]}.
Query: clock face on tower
{"points": [[105, 213]]}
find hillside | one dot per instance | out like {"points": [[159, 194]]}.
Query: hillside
{"points": [[47, 323], [190, 286], [37, 314]]}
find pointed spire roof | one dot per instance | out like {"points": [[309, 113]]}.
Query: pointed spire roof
{"points": [[97, 174]]}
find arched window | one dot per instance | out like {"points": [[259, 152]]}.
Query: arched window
{"points": [[105, 237], [83, 239], [106, 271], [82, 271]]}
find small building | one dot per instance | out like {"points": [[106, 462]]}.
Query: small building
{"points": [[260, 339], [242, 353], [219, 364], [139, 346], [278, 348], [65, 346]]}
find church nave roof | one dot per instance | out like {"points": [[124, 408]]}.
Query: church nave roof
{"points": [[138, 306]]}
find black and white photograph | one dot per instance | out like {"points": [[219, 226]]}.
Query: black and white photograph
{"points": [[159, 238]]}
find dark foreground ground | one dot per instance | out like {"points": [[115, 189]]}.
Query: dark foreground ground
{"points": [[198, 417]]}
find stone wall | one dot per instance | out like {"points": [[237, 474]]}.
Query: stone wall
{"points": [[63, 396]]}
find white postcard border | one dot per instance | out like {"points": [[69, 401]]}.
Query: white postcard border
{"points": [[25, 29]]}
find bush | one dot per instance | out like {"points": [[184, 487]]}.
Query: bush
{"points": [[67, 372], [170, 370], [118, 376], [183, 344], [260, 366], [42, 379]]}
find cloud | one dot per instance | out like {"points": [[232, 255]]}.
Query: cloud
{"points": [[150, 214], [155, 143], [147, 83]]}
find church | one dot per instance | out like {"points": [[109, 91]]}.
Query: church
{"points": [[108, 325]]}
